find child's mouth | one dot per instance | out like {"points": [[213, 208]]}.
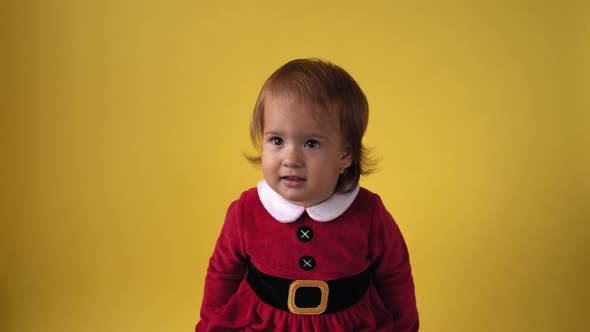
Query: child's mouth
{"points": [[293, 181]]}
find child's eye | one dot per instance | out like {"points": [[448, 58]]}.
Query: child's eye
{"points": [[312, 144], [276, 141]]}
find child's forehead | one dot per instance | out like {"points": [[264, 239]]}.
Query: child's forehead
{"points": [[291, 120]]}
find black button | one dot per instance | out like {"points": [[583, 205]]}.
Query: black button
{"points": [[304, 234], [307, 263]]}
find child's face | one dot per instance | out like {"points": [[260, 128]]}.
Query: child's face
{"points": [[302, 154]]}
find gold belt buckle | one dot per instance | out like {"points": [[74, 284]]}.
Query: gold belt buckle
{"points": [[308, 283]]}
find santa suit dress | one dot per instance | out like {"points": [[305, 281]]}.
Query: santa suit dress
{"points": [[338, 238]]}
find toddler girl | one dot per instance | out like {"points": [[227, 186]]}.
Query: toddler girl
{"points": [[308, 249]]}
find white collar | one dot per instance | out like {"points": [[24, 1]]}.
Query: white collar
{"points": [[286, 212]]}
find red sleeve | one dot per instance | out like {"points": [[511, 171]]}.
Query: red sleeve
{"points": [[227, 266], [392, 273]]}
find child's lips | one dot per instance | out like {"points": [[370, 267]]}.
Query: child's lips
{"points": [[293, 181], [293, 178]]}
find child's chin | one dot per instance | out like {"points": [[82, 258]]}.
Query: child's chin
{"points": [[295, 199]]}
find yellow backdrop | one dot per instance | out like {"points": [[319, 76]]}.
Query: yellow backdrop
{"points": [[124, 124]]}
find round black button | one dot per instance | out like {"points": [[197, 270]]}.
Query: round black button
{"points": [[304, 233], [307, 263]]}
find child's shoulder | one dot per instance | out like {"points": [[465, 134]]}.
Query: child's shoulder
{"points": [[368, 197], [245, 197], [249, 194]]}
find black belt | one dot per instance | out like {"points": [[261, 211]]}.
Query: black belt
{"points": [[308, 296]]}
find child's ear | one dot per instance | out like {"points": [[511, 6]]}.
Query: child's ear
{"points": [[346, 157]]}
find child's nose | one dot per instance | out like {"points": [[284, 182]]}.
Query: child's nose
{"points": [[292, 157]]}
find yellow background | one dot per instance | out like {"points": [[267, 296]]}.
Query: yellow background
{"points": [[124, 124]]}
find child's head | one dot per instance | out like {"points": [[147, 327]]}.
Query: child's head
{"points": [[315, 90]]}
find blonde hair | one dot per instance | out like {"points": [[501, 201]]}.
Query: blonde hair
{"points": [[318, 82]]}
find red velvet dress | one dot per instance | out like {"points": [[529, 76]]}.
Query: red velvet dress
{"points": [[360, 236]]}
